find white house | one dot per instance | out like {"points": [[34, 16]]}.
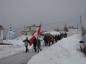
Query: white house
{"points": [[1, 34], [11, 32]]}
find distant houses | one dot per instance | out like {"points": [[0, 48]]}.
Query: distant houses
{"points": [[11, 32], [28, 29], [1, 33]]}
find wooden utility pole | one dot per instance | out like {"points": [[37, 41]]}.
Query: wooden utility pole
{"points": [[81, 22], [82, 30], [81, 26]]}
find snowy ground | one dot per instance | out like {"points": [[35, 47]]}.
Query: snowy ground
{"points": [[18, 45], [65, 51], [7, 50], [19, 58]]}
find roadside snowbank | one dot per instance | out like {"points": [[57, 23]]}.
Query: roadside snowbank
{"points": [[65, 51], [18, 41]]}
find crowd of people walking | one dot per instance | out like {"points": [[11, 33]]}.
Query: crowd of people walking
{"points": [[48, 39]]}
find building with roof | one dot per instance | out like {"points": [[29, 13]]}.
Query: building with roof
{"points": [[1, 33]]}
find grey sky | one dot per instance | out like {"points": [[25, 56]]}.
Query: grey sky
{"points": [[48, 12]]}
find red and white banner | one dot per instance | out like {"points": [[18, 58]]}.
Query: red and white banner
{"points": [[35, 34]]}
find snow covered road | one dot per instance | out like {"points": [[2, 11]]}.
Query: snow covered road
{"points": [[19, 58], [8, 50], [50, 55]]}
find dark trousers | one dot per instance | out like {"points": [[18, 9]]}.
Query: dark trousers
{"points": [[39, 46], [27, 49], [34, 46], [46, 43]]}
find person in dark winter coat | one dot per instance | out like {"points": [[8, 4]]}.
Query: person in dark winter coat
{"points": [[35, 44], [65, 34], [52, 39], [49, 40], [26, 44], [83, 47], [56, 38], [38, 45], [45, 40]]}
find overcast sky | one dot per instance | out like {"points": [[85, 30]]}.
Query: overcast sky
{"points": [[51, 13]]}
